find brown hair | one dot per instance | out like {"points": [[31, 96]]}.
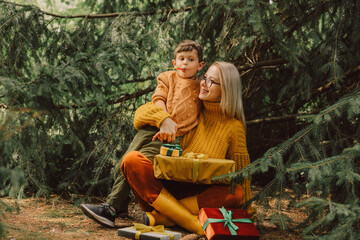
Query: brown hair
{"points": [[188, 46]]}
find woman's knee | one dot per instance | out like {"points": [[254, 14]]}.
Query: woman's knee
{"points": [[234, 200], [134, 161], [138, 171], [219, 195], [130, 160]]}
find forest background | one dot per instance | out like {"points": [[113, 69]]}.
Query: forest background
{"points": [[73, 72]]}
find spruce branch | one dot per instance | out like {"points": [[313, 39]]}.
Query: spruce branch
{"points": [[138, 80], [268, 63], [2, 25], [331, 84], [318, 91], [327, 161], [112, 15], [279, 119], [135, 80], [334, 62], [97, 148], [143, 92], [271, 157], [309, 12], [123, 98]]}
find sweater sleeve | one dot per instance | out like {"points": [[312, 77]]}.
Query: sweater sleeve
{"points": [[243, 160], [149, 114], [162, 88], [239, 154]]}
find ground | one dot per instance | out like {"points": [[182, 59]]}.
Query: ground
{"points": [[56, 218]]}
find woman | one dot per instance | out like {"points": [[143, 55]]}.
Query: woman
{"points": [[220, 134]]}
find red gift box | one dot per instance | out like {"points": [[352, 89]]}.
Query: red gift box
{"points": [[227, 224]]}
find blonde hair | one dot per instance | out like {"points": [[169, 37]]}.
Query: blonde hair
{"points": [[231, 91]]}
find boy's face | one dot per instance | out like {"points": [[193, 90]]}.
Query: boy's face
{"points": [[187, 64]]}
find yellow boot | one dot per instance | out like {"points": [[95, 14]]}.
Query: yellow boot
{"points": [[169, 206], [155, 218], [191, 204]]}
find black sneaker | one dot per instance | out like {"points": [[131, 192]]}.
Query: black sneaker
{"points": [[146, 220], [102, 214]]}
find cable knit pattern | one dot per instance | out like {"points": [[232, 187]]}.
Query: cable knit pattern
{"points": [[181, 98], [216, 135], [149, 114]]}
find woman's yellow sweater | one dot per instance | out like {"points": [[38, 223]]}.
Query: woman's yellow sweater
{"points": [[216, 135]]}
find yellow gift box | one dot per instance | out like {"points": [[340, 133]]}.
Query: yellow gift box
{"points": [[196, 168]]}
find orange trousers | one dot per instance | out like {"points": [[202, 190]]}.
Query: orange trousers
{"points": [[139, 172]]}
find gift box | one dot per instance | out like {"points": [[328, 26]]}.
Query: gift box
{"points": [[143, 232], [172, 150], [227, 224], [195, 170]]}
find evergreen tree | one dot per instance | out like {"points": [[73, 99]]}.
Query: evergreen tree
{"points": [[75, 80], [12, 181]]}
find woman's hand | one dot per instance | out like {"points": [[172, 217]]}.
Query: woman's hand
{"points": [[168, 129]]}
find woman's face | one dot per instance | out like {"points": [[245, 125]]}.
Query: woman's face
{"points": [[212, 93]]}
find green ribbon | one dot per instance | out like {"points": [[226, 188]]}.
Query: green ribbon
{"points": [[228, 221], [171, 148]]}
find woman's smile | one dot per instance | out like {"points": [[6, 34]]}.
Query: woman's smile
{"points": [[212, 92], [203, 91]]}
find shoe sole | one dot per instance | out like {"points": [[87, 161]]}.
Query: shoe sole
{"points": [[100, 220]]}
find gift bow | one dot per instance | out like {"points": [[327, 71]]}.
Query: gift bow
{"points": [[228, 221], [141, 228]]}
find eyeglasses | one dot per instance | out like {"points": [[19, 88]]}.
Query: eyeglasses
{"points": [[208, 81]]}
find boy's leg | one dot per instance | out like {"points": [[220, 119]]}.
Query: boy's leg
{"points": [[118, 200], [119, 196]]}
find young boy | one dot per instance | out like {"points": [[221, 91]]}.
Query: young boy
{"points": [[177, 93]]}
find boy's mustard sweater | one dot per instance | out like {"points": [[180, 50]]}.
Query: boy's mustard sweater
{"points": [[216, 135], [181, 98]]}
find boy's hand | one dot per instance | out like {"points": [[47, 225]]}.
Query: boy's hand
{"points": [[168, 129]]}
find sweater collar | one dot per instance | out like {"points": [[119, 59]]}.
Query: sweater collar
{"points": [[213, 111], [177, 77]]}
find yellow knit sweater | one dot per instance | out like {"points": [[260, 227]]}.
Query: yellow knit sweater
{"points": [[216, 135]]}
